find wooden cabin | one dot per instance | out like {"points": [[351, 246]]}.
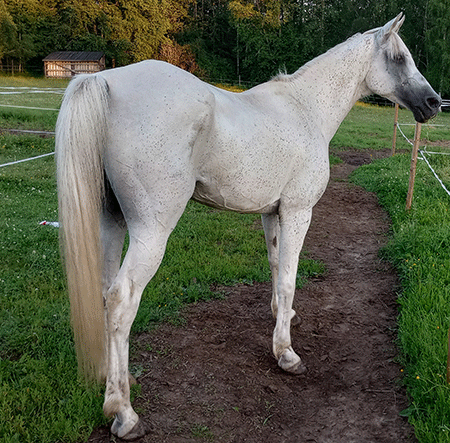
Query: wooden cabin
{"points": [[65, 64]]}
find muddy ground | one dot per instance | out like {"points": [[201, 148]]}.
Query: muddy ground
{"points": [[214, 379]]}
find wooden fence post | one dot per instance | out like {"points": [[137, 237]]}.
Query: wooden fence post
{"points": [[412, 170], [394, 141]]}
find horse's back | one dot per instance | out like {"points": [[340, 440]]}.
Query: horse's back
{"points": [[149, 86]]}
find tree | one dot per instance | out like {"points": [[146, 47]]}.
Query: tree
{"points": [[209, 32], [8, 31], [146, 24], [126, 30], [437, 49], [249, 40]]}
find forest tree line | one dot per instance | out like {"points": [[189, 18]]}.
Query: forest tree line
{"points": [[219, 40]]}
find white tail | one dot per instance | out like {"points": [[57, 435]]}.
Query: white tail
{"points": [[80, 139]]}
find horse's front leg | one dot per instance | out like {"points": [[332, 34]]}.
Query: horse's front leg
{"points": [[293, 228]]}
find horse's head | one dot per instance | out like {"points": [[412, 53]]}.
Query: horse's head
{"points": [[394, 75]]}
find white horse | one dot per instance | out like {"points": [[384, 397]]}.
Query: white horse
{"points": [[134, 144]]}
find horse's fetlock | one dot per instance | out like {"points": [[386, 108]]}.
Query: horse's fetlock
{"points": [[112, 405], [280, 348]]}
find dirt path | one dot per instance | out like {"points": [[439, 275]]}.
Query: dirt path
{"points": [[215, 379]]}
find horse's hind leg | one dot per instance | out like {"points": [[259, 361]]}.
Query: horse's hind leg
{"points": [[148, 238], [140, 264], [113, 231], [271, 227]]}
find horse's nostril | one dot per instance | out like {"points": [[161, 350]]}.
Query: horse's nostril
{"points": [[434, 102]]}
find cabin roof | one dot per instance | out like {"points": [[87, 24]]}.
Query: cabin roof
{"points": [[74, 56]]}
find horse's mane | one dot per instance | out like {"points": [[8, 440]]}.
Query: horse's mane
{"points": [[284, 77], [393, 47]]}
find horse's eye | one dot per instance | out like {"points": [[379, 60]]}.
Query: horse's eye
{"points": [[399, 58]]}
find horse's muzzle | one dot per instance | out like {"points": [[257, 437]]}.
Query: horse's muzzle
{"points": [[429, 108], [420, 98]]}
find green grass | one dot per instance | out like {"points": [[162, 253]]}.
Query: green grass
{"points": [[420, 251], [40, 397], [37, 95], [28, 120], [18, 81], [372, 127]]}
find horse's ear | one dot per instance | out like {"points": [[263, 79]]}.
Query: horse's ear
{"points": [[398, 22], [393, 26]]}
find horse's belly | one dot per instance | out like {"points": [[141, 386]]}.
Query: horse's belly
{"points": [[230, 197]]}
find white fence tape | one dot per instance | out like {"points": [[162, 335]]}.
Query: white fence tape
{"points": [[31, 88], [436, 153], [423, 157], [28, 107], [49, 223], [29, 92], [11, 90], [26, 131], [26, 159], [422, 153], [406, 138]]}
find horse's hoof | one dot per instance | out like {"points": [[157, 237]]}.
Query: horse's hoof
{"points": [[298, 369], [291, 362], [139, 430]]}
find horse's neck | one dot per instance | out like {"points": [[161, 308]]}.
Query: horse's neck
{"points": [[333, 82]]}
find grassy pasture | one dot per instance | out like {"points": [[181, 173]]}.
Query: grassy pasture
{"points": [[41, 399], [17, 92], [420, 250]]}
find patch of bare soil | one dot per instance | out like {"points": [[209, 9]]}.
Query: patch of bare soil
{"points": [[440, 143], [215, 379]]}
